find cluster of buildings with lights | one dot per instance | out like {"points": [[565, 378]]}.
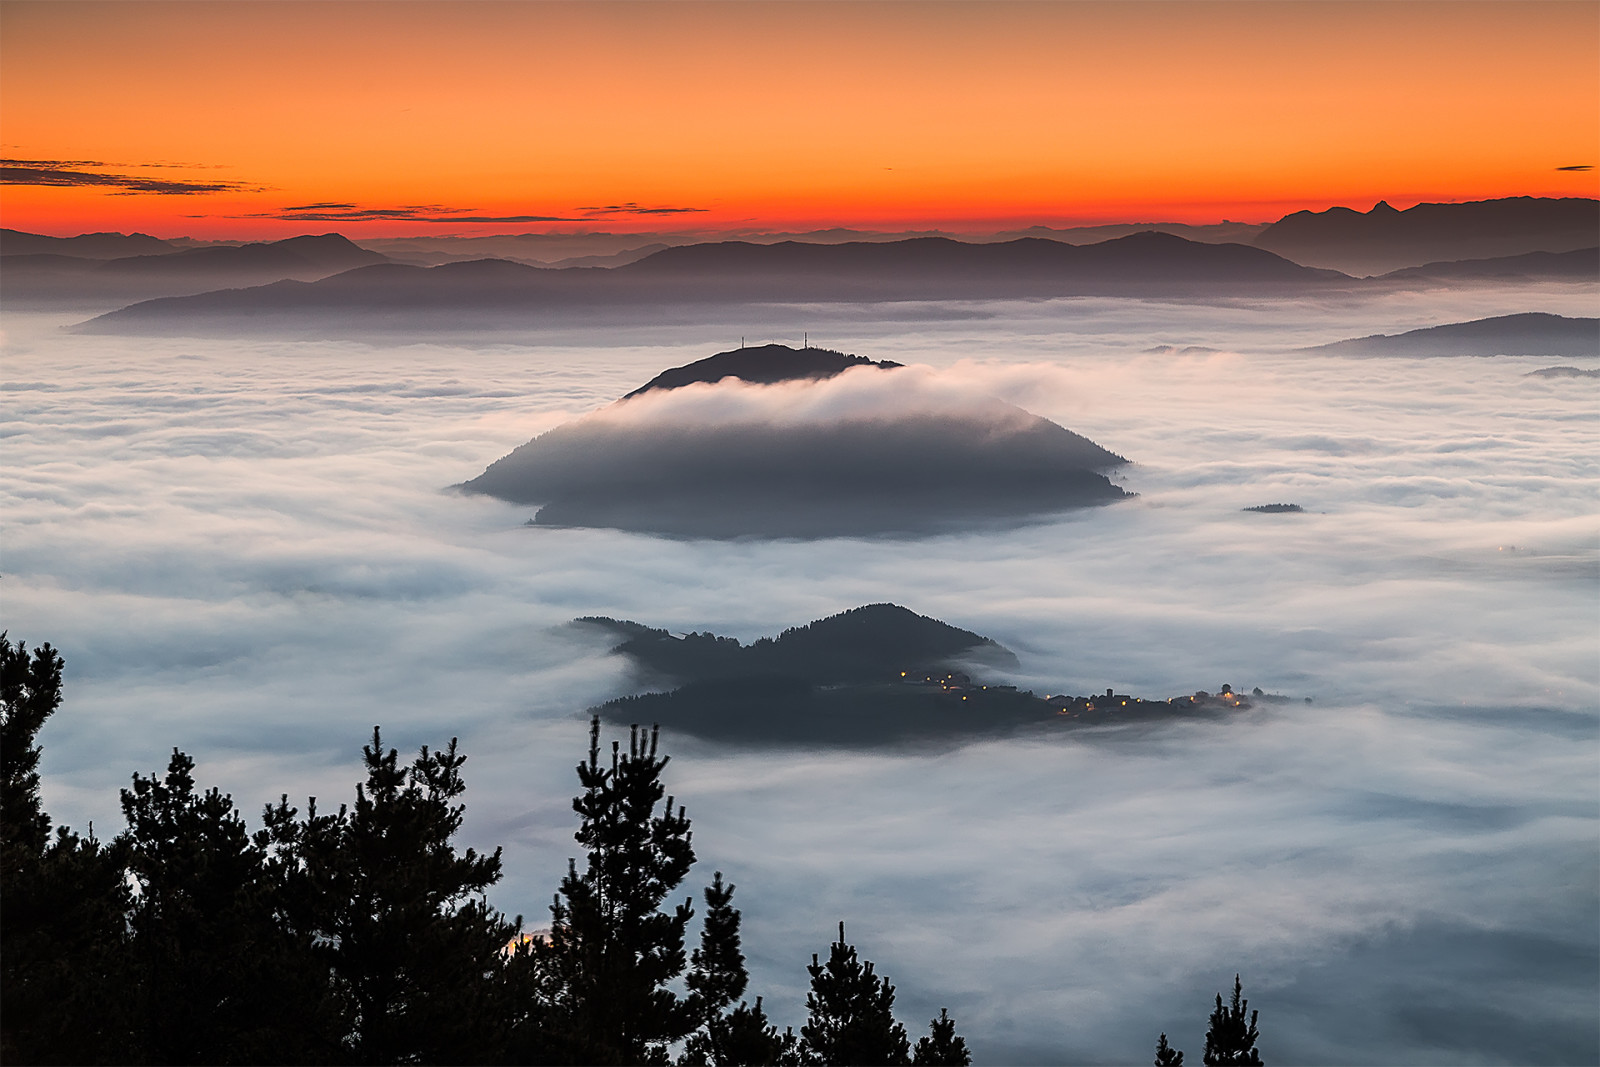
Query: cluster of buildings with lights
{"points": [[1109, 702]]}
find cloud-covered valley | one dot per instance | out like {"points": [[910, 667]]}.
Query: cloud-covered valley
{"points": [[243, 549]]}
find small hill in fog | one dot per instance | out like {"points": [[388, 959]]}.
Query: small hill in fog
{"points": [[867, 644], [1564, 372], [874, 675], [827, 445], [1533, 333]]}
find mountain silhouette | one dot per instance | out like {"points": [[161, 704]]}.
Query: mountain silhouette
{"points": [[490, 294], [866, 644], [1529, 334], [84, 245], [1578, 265], [886, 464], [1384, 239], [55, 278], [310, 255], [861, 677], [763, 365], [874, 675]]}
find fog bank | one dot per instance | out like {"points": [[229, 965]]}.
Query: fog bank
{"points": [[241, 549]]}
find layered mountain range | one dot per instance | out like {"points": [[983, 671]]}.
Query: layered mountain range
{"points": [[326, 285], [116, 267]]}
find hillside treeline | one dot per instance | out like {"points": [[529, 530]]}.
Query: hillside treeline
{"points": [[363, 936]]}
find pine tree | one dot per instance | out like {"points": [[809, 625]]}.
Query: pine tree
{"points": [[216, 978], [61, 943], [1231, 1040], [30, 692], [851, 1013], [415, 954], [942, 1048], [741, 1038], [1166, 1055], [611, 952], [716, 970]]}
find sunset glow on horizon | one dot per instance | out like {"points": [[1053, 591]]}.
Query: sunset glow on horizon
{"points": [[384, 119]]}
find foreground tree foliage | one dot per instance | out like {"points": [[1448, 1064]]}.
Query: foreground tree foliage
{"points": [[65, 898], [1231, 1040], [413, 957], [363, 936], [851, 1009], [941, 1048]]}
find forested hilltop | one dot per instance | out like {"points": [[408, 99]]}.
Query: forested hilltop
{"points": [[874, 675], [363, 936]]}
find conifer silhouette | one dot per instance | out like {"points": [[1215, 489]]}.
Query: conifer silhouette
{"points": [[415, 954], [741, 1038], [851, 1013], [1230, 1040], [1166, 1055], [941, 1048], [63, 937], [611, 951], [716, 970]]}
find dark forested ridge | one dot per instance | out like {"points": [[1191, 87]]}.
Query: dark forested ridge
{"points": [[762, 365], [874, 675], [864, 644]]}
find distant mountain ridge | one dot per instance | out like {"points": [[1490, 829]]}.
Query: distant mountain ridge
{"points": [[390, 297], [1385, 239], [1578, 265], [84, 245], [309, 253], [168, 270], [1528, 334]]}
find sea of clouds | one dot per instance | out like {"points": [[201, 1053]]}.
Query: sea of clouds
{"points": [[246, 550]]}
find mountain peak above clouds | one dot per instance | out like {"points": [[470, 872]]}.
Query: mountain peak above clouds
{"points": [[819, 448], [762, 365]]}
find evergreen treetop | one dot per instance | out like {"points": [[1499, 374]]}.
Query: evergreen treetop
{"points": [[851, 1013], [1231, 1040]]}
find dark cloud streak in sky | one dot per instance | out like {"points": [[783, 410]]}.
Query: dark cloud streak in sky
{"points": [[70, 173], [631, 208], [340, 212]]}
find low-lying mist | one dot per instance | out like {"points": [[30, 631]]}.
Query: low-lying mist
{"points": [[242, 550]]}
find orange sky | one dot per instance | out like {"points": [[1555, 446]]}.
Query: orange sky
{"points": [[778, 115]]}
